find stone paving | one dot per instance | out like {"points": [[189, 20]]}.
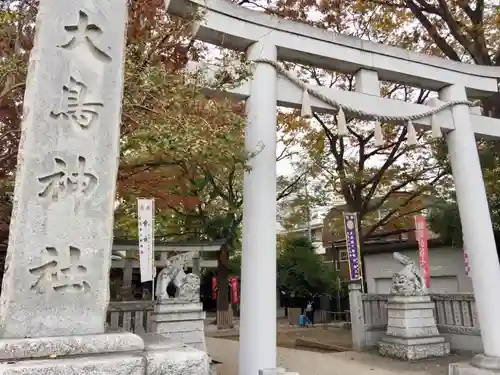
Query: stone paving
{"points": [[344, 363]]}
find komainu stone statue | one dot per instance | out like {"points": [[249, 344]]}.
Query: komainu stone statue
{"points": [[409, 281], [187, 285], [180, 318]]}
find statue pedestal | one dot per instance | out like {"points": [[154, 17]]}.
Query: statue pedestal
{"points": [[104, 354], [180, 321], [411, 330], [479, 365]]}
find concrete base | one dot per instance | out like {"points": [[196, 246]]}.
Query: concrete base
{"points": [[45, 347], [98, 365], [413, 349], [479, 365], [411, 330], [468, 369], [166, 357], [150, 354], [180, 321], [483, 361]]}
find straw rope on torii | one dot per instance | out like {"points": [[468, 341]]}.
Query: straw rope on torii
{"points": [[306, 111]]}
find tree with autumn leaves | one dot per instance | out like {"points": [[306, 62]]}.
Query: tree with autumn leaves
{"points": [[177, 145], [154, 47], [393, 177], [16, 36], [187, 150], [466, 31], [354, 169], [181, 147]]}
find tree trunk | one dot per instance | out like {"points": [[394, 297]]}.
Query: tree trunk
{"points": [[222, 279], [492, 105]]}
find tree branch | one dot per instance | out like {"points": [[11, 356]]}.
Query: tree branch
{"points": [[432, 30], [375, 180], [289, 188], [402, 184], [339, 158], [405, 203], [455, 30]]}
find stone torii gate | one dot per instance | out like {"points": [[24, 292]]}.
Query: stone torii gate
{"points": [[267, 39]]}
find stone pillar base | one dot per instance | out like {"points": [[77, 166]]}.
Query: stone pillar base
{"points": [[180, 321], [411, 330], [413, 349], [468, 369], [480, 365], [166, 357], [102, 365], [104, 354]]}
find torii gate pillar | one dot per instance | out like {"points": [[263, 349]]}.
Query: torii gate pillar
{"points": [[258, 263], [476, 225]]}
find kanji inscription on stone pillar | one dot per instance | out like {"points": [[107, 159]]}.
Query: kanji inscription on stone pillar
{"points": [[57, 269]]}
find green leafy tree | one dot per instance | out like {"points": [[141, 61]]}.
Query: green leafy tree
{"points": [[444, 219], [301, 272], [234, 264]]}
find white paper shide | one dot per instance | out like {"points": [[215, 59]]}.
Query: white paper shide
{"points": [[145, 217]]}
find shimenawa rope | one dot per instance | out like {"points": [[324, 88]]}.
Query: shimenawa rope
{"points": [[342, 108]]}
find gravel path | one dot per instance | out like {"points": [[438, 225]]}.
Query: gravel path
{"points": [[345, 363], [286, 334]]}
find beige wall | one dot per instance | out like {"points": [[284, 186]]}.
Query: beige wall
{"points": [[317, 234], [446, 267]]}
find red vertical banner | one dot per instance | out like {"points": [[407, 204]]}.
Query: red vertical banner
{"points": [[421, 236], [214, 288], [235, 298]]}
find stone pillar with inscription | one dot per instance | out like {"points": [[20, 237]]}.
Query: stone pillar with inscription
{"points": [[55, 290]]}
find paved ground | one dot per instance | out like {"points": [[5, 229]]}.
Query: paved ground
{"points": [[314, 363], [286, 335]]}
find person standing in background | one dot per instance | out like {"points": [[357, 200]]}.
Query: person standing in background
{"points": [[310, 312]]}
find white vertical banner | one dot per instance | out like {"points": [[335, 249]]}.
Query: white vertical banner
{"points": [[466, 258], [145, 216], [466, 262]]}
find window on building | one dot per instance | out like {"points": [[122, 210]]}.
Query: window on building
{"points": [[382, 212], [317, 234], [337, 265], [343, 256]]}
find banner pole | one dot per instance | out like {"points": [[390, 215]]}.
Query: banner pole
{"points": [[145, 216], [351, 228], [153, 251], [421, 236]]}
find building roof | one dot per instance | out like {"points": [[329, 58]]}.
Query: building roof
{"points": [[380, 244], [170, 246], [127, 242], [384, 230]]}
